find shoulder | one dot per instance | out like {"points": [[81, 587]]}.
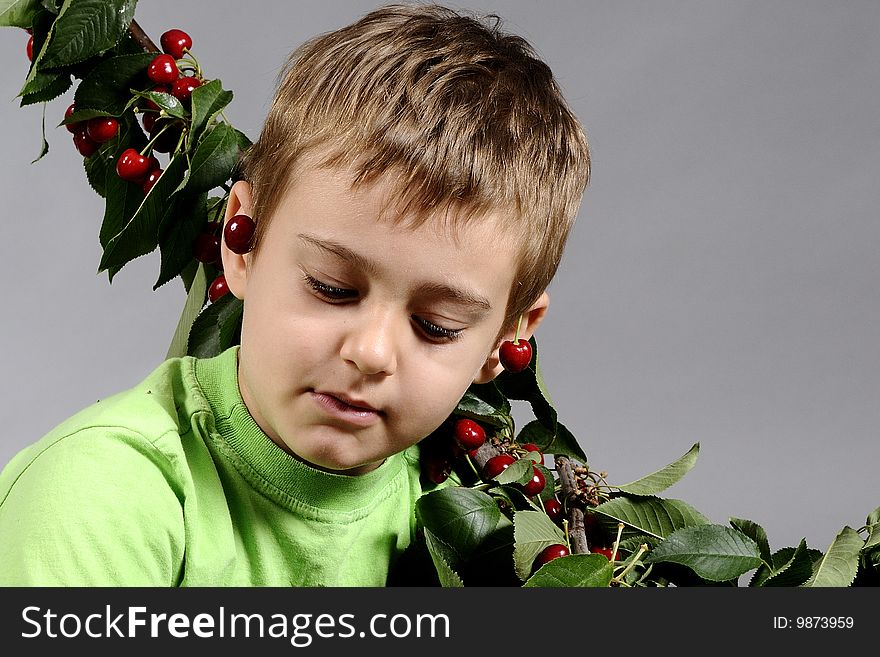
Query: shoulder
{"points": [[101, 495], [144, 419]]}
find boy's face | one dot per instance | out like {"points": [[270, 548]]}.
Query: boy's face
{"points": [[359, 337]]}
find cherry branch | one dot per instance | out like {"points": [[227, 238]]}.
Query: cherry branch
{"points": [[141, 38], [577, 529]]}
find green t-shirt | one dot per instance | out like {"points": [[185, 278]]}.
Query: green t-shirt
{"points": [[172, 483]]}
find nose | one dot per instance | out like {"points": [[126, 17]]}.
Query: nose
{"points": [[369, 343]]}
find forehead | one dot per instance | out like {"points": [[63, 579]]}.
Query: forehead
{"points": [[321, 196]]}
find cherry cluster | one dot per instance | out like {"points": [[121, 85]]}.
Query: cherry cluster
{"points": [[175, 72], [166, 73]]}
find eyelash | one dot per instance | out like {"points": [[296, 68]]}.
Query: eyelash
{"points": [[333, 294]]}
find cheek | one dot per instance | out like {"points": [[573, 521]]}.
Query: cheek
{"points": [[433, 390]]}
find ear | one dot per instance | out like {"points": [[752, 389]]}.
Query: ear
{"points": [[530, 320], [235, 266]]}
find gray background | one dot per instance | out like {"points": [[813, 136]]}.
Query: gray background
{"points": [[720, 285]]}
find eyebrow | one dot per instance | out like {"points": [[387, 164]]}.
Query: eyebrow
{"points": [[443, 291]]}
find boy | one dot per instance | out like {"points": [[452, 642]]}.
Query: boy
{"points": [[412, 189]]}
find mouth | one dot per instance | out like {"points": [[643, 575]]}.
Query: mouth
{"points": [[356, 404], [346, 408]]}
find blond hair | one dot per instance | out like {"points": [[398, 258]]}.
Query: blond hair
{"points": [[465, 116]]}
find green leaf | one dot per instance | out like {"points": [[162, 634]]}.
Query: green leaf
{"points": [[549, 489], [714, 552], [482, 404], [840, 563], [103, 161], [195, 301], [442, 556], [519, 471], [654, 516], [783, 559], [755, 532], [43, 28], [794, 572], [873, 536], [87, 28], [461, 517], [216, 327], [574, 570], [44, 145], [18, 13], [552, 440], [139, 235], [177, 234], [166, 102], [533, 531], [83, 115], [207, 101], [873, 517], [513, 496], [214, 159], [107, 87], [243, 141], [665, 477], [122, 198]]}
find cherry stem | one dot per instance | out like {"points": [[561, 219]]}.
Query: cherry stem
{"points": [[149, 147], [620, 526], [467, 457], [190, 58], [618, 579], [516, 335]]}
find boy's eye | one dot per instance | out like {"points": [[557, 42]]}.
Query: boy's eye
{"points": [[329, 292], [436, 333], [332, 293]]}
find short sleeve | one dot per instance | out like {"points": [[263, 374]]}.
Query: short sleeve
{"points": [[100, 507]]}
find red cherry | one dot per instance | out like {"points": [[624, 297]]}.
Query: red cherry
{"points": [[497, 464], [536, 484], [149, 120], [71, 127], [238, 233], [553, 508], [604, 551], [207, 247], [468, 434], [550, 553], [183, 87], [84, 144], [515, 357], [532, 447], [437, 469], [30, 48], [218, 288], [174, 42], [167, 141], [132, 166], [163, 70], [151, 179], [102, 128], [590, 521]]}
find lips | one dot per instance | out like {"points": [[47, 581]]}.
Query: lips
{"points": [[358, 404], [347, 409]]}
